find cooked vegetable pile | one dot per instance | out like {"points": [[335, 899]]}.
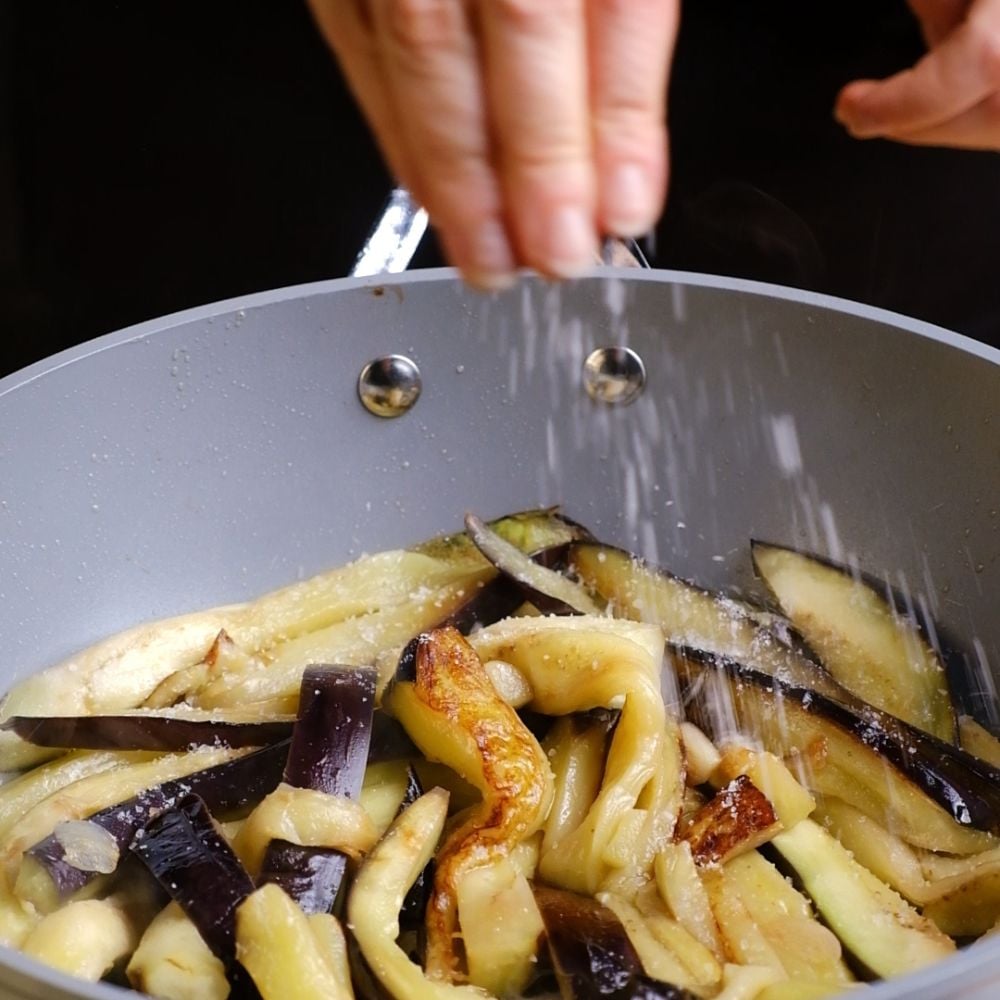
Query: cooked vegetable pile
{"points": [[509, 761]]}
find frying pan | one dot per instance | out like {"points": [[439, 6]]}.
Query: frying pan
{"points": [[211, 455]]}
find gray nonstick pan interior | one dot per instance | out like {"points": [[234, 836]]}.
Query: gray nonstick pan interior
{"points": [[211, 455]]}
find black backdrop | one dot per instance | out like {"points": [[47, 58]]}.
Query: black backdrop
{"points": [[163, 154]]}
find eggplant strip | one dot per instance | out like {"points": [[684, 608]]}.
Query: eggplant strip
{"points": [[48, 875], [549, 591], [328, 756], [189, 857], [145, 730], [275, 943], [836, 753], [874, 924], [123, 670], [173, 961], [306, 818], [865, 643], [357, 641], [85, 938], [377, 895], [447, 704], [99, 791], [577, 664]]}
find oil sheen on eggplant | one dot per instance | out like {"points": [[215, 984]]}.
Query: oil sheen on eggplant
{"points": [[328, 753]]}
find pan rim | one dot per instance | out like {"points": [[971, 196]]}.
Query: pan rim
{"points": [[139, 331]]}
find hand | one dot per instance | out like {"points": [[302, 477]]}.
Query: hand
{"points": [[951, 97], [525, 127]]}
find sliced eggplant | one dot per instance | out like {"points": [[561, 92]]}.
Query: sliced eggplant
{"points": [[933, 800], [276, 945], [866, 642], [189, 856], [501, 928], [806, 949], [737, 819], [580, 663], [173, 961], [591, 952], [378, 892], [84, 939], [48, 873], [883, 933], [548, 590], [701, 620], [692, 616], [978, 741], [143, 730], [446, 701], [328, 753]]}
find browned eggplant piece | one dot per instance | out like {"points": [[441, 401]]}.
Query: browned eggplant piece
{"points": [[328, 753], [591, 953], [191, 858], [955, 796], [547, 589], [866, 634], [52, 875], [738, 818], [145, 731]]}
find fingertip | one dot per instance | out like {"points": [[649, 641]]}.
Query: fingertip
{"points": [[567, 245], [629, 200], [852, 111], [483, 253]]}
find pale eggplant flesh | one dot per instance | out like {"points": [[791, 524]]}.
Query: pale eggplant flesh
{"points": [[328, 753], [867, 635]]}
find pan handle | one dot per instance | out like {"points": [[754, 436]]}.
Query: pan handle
{"points": [[401, 225]]}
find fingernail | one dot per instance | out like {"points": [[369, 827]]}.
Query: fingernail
{"points": [[491, 261], [572, 242], [627, 201]]}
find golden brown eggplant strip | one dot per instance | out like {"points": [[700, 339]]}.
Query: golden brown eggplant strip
{"points": [[444, 699]]}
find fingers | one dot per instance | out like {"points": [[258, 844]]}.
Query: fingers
{"points": [[630, 44], [962, 70], [977, 128], [535, 62], [526, 128], [938, 17], [430, 67], [345, 26]]}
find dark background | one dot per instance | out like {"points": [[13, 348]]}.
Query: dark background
{"points": [[157, 155]]}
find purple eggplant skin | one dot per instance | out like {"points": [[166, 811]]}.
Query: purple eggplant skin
{"points": [[967, 788], [328, 753], [498, 599], [191, 859], [222, 788], [591, 953], [389, 740], [143, 732]]}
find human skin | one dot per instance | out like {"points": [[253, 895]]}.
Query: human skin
{"points": [[531, 128]]}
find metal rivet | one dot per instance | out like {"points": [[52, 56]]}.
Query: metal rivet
{"points": [[389, 386], [614, 375]]}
